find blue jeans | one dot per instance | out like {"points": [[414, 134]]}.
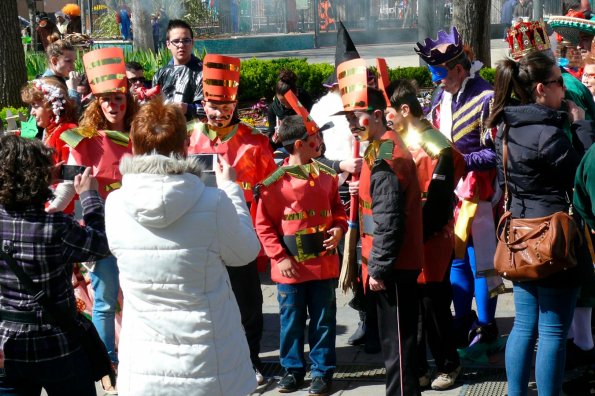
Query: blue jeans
{"points": [[466, 284], [545, 313], [106, 285], [66, 376], [297, 301]]}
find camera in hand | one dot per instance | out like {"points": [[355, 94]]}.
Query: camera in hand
{"points": [[68, 172], [207, 161]]}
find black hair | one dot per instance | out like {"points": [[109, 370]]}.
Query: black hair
{"points": [[519, 79], [291, 130], [133, 66], [402, 92], [178, 24], [287, 82]]}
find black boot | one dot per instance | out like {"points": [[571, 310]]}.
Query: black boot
{"points": [[359, 337], [461, 328], [485, 334]]}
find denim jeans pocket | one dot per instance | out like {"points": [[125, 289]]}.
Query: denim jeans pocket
{"points": [[286, 295]]}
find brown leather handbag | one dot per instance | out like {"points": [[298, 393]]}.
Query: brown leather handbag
{"points": [[530, 249]]}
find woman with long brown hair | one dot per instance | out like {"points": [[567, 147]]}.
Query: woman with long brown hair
{"points": [[100, 142], [540, 168]]}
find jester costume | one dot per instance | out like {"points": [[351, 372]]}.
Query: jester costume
{"points": [[461, 117]]}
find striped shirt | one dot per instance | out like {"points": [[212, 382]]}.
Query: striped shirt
{"points": [[46, 246]]}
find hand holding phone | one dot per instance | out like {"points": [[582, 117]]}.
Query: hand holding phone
{"points": [[207, 161], [224, 172], [68, 172], [85, 182]]}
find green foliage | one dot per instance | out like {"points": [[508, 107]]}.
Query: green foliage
{"points": [[488, 74], [261, 77], [420, 74], [36, 63], [14, 111], [105, 26], [149, 60]]}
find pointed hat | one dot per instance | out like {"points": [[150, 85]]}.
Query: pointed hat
{"points": [[344, 52]]}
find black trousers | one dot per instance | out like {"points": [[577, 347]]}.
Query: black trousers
{"points": [[397, 308], [245, 283], [436, 327]]}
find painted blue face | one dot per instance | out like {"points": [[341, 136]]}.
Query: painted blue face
{"points": [[438, 73]]}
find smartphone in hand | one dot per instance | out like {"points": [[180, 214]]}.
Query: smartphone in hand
{"points": [[68, 172], [208, 161]]}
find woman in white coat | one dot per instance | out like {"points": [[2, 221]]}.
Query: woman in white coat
{"points": [[173, 236]]}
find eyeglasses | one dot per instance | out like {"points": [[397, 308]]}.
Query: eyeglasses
{"points": [[177, 42], [135, 80], [559, 81]]}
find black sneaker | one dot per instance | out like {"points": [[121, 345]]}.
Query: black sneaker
{"points": [[290, 383], [319, 386]]}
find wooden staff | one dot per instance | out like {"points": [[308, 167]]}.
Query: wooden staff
{"points": [[348, 277]]}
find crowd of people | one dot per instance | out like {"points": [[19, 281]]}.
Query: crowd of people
{"points": [[181, 205]]}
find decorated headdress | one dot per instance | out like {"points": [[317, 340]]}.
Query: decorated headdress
{"points": [[53, 95], [311, 127], [221, 78], [526, 37], [71, 10], [353, 85], [344, 51], [445, 48], [571, 25], [383, 78], [106, 70]]}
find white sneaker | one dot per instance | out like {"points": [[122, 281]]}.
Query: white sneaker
{"points": [[259, 378], [445, 380], [424, 380]]}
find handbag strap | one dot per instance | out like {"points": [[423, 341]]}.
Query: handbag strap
{"points": [[505, 163], [36, 291]]}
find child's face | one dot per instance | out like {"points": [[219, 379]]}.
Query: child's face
{"points": [[312, 146], [219, 114], [42, 113]]}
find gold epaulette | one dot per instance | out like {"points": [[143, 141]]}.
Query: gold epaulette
{"points": [[379, 149], [276, 175], [74, 136], [324, 168], [434, 142]]}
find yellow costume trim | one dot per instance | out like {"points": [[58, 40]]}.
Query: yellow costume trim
{"points": [[469, 128], [463, 225], [466, 107]]}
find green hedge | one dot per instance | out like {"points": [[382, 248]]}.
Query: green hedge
{"points": [[258, 77], [14, 111]]}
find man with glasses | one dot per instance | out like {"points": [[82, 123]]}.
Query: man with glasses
{"points": [[181, 80], [459, 109]]}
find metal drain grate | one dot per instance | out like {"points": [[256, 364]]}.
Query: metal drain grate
{"points": [[343, 372], [483, 382]]}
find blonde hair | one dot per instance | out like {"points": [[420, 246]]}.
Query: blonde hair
{"points": [[93, 118]]}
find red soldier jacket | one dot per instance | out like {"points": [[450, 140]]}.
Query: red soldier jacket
{"points": [[102, 151], [436, 161], [297, 204], [243, 147], [390, 209]]}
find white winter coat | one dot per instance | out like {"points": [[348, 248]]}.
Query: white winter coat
{"points": [[181, 330]]}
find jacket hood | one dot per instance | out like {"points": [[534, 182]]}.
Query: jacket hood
{"points": [[158, 190], [518, 116]]}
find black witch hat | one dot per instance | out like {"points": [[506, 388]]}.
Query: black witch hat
{"points": [[344, 52]]}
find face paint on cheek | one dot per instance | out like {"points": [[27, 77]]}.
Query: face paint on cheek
{"points": [[365, 122], [311, 144], [122, 107]]}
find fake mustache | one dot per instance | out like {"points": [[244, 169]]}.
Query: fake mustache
{"points": [[215, 118], [358, 129]]}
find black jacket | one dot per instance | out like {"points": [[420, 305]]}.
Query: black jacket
{"points": [[540, 169], [182, 84], [277, 110]]}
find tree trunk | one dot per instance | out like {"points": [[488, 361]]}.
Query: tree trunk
{"points": [[13, 73], [472, 19], [141, 23]]}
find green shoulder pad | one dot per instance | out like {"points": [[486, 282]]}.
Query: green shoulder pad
{"points": [[118, 137], [385, 151], [434, 142], [276, 175], [326, 169], [72, 137]]}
